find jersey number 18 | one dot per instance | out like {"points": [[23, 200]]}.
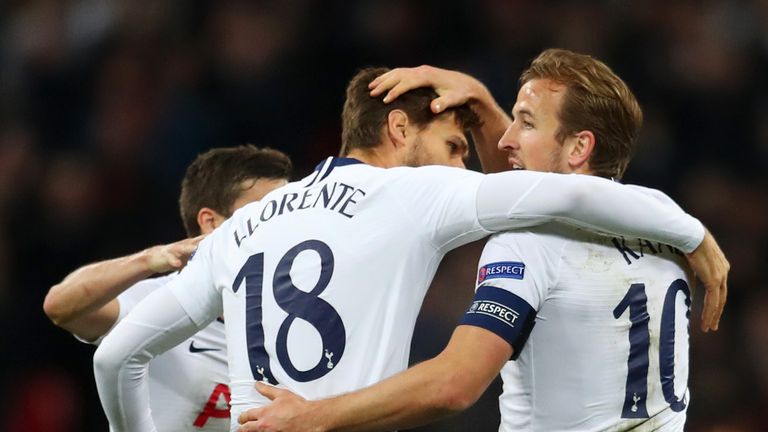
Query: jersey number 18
{"points": [[298, 304]]}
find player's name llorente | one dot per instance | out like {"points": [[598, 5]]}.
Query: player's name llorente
{"points": [[338, 197]]}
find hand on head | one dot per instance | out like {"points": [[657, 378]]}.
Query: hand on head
{"points": [[453, 88]]}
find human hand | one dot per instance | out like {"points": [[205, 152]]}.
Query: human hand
{"points": [[711, 267], [453, 88], [165, 258], [288, 412]]}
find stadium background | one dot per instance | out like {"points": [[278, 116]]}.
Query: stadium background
{"points": [[103, 103]]}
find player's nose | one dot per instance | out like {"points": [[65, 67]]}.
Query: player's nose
{"points": [[507, 141]]}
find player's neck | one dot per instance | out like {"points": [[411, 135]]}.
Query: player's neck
{"points": [[584, 169], [376, 157]]}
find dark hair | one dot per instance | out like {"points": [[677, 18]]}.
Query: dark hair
{"points": [[596, 100], [213, 179], [364, 116]]}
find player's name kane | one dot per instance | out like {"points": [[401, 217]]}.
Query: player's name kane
{"points": [[337, 196], [635, 249]]}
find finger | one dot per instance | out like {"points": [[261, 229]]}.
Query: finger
{"points": [[704, 311], [187, 249], [171, 259], [381, 78], [187, 244], [723, 300], [190, 247], [249, 415], [268, 391], [251, 426], [711, 303], [446, 101], [385, 84], [437, 105], [400, 88]]}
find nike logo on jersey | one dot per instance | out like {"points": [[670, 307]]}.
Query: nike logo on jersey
{"points": [[194, 349]]}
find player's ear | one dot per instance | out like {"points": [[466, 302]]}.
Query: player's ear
{"points": [[397, 123], [581, 150], [208, 219]]}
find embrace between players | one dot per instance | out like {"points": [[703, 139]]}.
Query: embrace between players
{"points": [[581, 301]]}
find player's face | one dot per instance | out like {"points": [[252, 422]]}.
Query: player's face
{"points": [[255, 189], [442, 142], [530, 141]]}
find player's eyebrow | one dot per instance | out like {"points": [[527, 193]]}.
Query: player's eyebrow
{"points": [[522, 112], [461, 141]]}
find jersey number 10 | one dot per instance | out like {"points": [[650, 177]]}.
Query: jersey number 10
{"points": [[298, 304], [639, 341]]}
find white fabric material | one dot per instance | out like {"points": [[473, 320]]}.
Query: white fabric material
{"points": [[129, 298], [589, 202], [180, 382], [572, 373], [376, 239]]}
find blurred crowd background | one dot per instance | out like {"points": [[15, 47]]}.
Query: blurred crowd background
{"points": [[103, 103]]}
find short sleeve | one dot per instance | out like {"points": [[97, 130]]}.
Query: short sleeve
{"points": [[515, 274], [518, 262]]}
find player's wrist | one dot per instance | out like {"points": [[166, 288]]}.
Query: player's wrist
{"points": [[483, 103], [479, 94], [322, 416]]}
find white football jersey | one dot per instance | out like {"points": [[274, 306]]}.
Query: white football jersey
{"points": [[329, 306], [320, 282], [608, 348], [187, 384]]}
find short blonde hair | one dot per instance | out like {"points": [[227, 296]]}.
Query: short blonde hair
{"points": [[596, 100]]}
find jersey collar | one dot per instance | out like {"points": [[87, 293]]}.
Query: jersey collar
{"points": [[325, 167], [333, 162]]}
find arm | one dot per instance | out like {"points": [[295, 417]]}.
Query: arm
{"points": [[85, 304], [520, 199], [711, 266], [454, 89], [120, 364], [523, 198], [444, 385], [162, 320], [494, 328]]}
